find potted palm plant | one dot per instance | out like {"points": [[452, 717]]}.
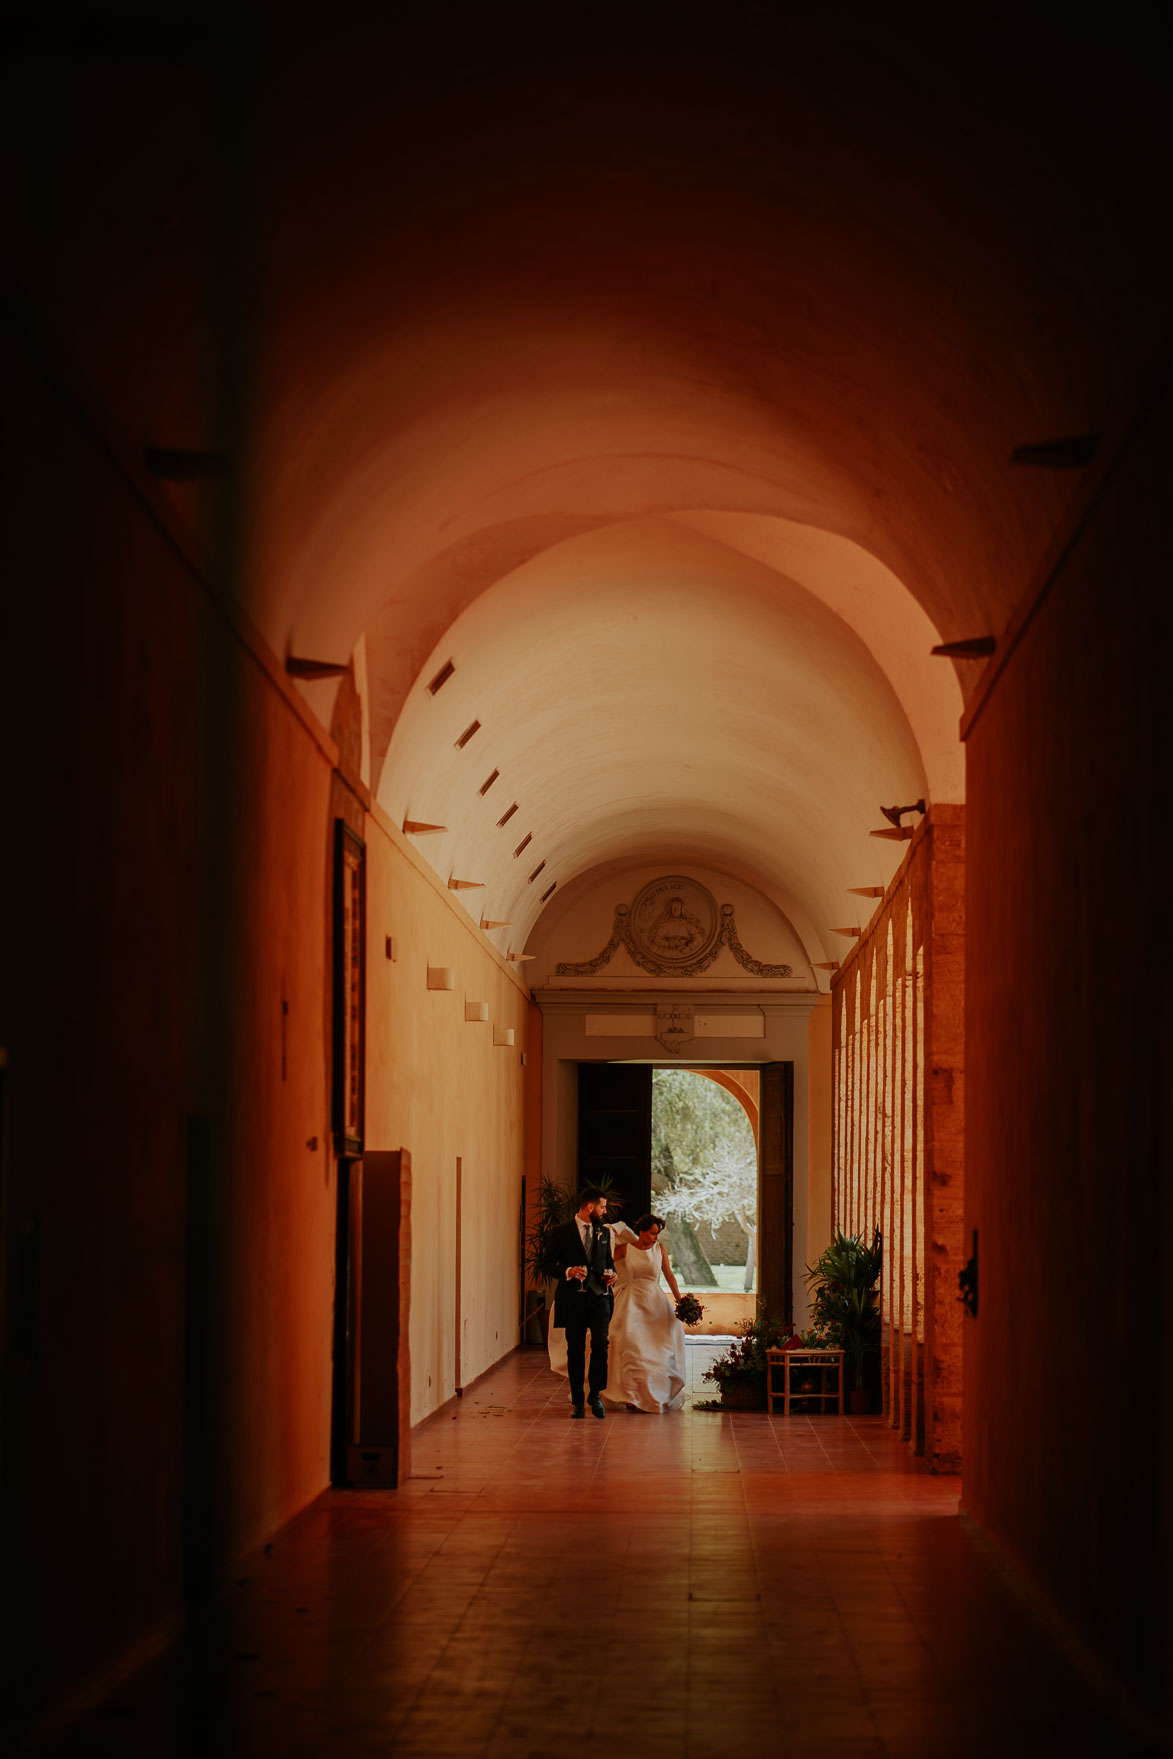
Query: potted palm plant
{"points": [[554, 1208], [845, 1306]]}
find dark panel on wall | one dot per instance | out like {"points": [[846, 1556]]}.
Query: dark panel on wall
{"points": [[615, 1131], [776, 1190], [1067, 1041], [372, 1398]]}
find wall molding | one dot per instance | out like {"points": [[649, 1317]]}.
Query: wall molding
{"points": [[643, 1001]]}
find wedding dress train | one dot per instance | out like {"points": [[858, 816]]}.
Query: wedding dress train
{"points": [[646, 1360]]}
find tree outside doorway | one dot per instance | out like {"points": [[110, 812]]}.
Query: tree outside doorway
{"points": [[705, 1181]]}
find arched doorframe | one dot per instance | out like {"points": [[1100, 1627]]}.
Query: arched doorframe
{"points": [[727, 1078]]}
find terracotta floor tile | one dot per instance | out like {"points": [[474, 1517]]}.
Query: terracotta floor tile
{"points": [[697, 1586]]}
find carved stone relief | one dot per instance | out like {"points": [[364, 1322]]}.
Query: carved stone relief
{"points": [[674, 1027], [673, 929], [674, 921]]}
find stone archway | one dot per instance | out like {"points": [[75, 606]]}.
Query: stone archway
{"points": [[743, 1084]]}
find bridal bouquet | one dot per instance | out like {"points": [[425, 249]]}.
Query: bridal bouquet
{"points": [[689, 1310]]}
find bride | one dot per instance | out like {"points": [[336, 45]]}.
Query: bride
{"points": [[646, 1367]]}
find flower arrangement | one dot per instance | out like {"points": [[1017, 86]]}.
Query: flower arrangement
{"points": [[740, 1374], [689, 1310]]}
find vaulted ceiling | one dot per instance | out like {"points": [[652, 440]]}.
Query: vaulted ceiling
{"points": [[660, 366], [647, 689], [666, 380]]}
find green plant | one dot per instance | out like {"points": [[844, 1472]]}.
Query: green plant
{"points": [[744, 1363], [845, 1306], [554, 1208]]}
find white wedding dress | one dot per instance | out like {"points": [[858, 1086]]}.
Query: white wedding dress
{"points": [[645, 1366]]}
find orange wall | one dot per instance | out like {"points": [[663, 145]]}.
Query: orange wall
{"points": [[169, 894], [439, 1086], [1067, 1365], [277, 1209], [167, 900]]}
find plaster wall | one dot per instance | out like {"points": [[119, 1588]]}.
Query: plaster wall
{"points": [[271, 1336], [438, 1085], [170, 1188], [99, 1032], [1067, 1366], [168, 1227]]}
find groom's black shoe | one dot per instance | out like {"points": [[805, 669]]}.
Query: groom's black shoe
{"points": [[578, 1410], [597, 1407]]}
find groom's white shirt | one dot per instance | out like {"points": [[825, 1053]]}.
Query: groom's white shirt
{"points": [[621, 1235], [583, 1234]]}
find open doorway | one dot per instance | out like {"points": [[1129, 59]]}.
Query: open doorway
{"points": [[614, 1149], [705, 1175]]}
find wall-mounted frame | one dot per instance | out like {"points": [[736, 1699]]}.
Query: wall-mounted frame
{"points": [[349, 987]]}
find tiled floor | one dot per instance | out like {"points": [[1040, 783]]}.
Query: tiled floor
{"points": [[695, 1585]]}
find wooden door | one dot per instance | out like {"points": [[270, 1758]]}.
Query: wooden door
{"points": [[615, 1132], [372, 1381], [776, 1191]]}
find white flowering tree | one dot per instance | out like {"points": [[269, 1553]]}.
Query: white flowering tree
{"points": [[704, 1150]]}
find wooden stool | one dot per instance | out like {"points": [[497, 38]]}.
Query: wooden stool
{"points": [[786, 1359]]}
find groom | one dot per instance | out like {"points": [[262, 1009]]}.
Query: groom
{"points": [[583, 1300]]}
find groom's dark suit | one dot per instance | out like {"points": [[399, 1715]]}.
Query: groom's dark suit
{"points": [[580, 1306]]}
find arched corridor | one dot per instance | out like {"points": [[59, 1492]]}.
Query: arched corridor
{"points": [[537, 548]]}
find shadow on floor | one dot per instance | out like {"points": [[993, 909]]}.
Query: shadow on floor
{"points": [[696, 1586]]}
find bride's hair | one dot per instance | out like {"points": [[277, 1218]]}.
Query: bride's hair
{"points": [[648, 1221]]}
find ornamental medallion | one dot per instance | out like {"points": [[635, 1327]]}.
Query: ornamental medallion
{"points": [[674, 921]]}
